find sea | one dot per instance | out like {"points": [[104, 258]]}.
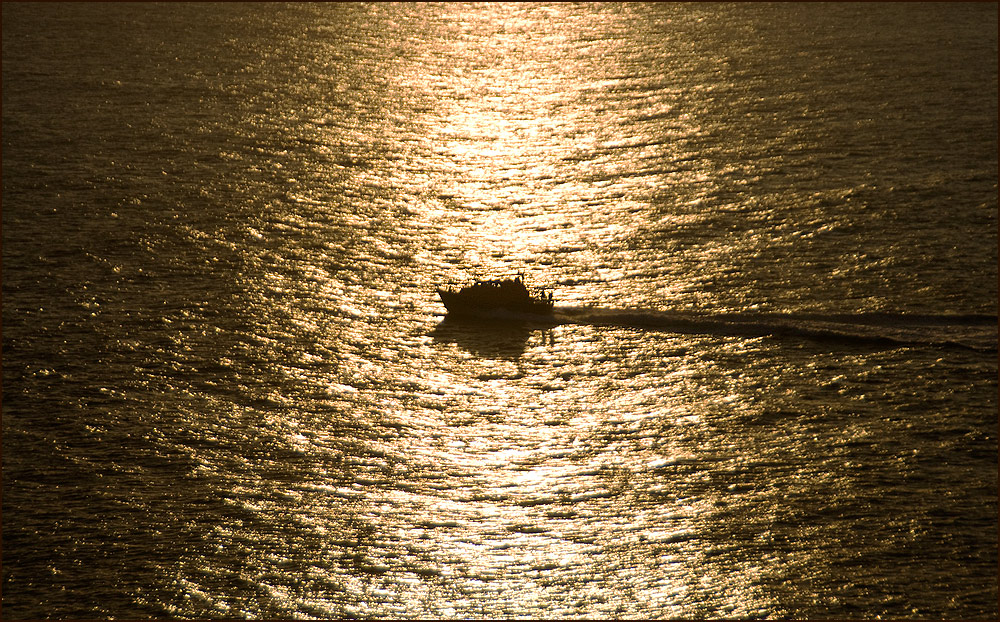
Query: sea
{"points": [[768, 388]]}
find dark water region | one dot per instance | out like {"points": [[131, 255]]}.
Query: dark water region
{"points": [[768, 390]]}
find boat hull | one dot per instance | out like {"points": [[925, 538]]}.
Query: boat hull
{"points": [[459, 304]]}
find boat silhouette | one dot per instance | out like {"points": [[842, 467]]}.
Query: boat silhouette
{"points": [[493, 297]]}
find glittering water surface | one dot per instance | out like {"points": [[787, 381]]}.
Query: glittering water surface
{"points": [[769, 388]]}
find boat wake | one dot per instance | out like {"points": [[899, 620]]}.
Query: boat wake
{"points": [[972, 332]]}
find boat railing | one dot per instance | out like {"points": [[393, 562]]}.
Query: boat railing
{"points": [[538, 292]]}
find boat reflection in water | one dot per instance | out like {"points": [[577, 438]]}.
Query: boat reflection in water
{"points": [[488, 339]]}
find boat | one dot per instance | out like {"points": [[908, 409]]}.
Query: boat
{"points": [[493, 297]]}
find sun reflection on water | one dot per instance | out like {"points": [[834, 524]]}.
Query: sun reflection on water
{"points": [[234, 391], [527, 179], [502, 469]]}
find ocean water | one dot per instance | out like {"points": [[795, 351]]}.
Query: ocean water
{"points": [[768, 390]]}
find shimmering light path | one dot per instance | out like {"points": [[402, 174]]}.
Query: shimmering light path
{"points": [[769, 388]]}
